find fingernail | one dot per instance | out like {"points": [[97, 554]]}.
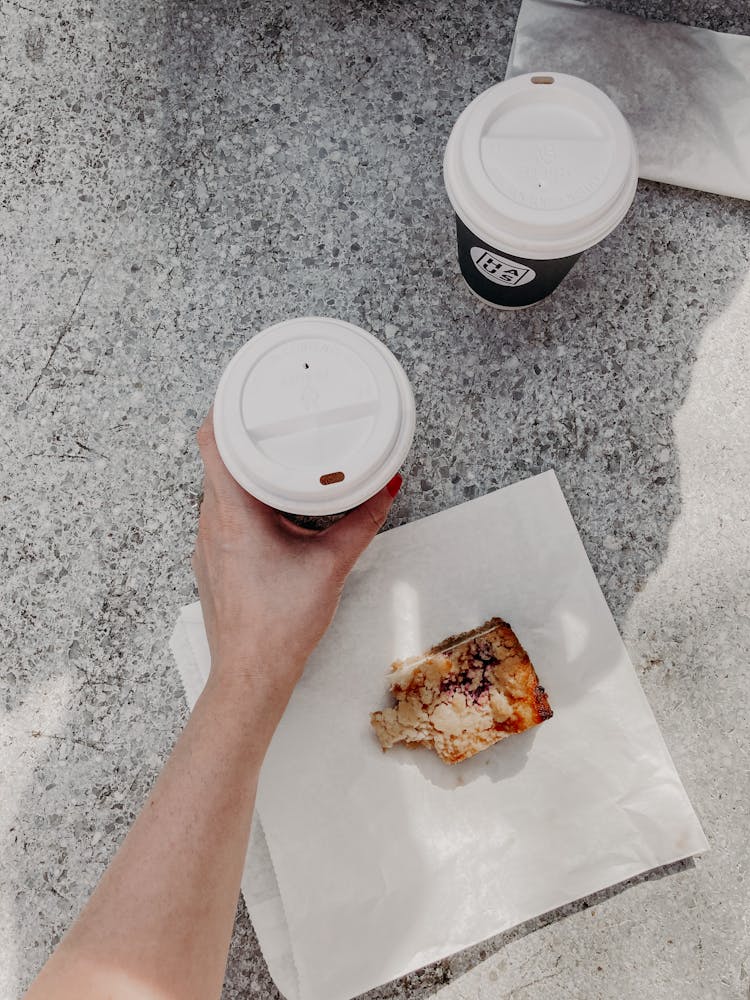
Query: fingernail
{"points": [[395, 484]]}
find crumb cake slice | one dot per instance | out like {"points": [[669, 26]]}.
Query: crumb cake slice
{"points": [[463, 695]]}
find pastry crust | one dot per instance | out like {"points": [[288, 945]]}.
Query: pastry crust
{"points": [[466, 693]]}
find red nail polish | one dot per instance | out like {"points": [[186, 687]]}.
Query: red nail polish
{"points": [[395, 484]]}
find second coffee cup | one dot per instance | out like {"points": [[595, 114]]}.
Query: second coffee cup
{"points": [[538, 169]]}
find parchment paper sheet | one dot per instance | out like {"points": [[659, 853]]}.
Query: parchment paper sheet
{"points": [[385, 862], [685, 91]]}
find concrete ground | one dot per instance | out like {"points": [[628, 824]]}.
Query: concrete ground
{"points": [[176, 176]]}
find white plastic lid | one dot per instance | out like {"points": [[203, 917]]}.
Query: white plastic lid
{"points": [[313, 416], [543, 166]]}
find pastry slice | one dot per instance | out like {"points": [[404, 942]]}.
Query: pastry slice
{"points": [[463, 695]]}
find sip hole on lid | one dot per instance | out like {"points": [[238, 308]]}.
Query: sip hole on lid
{"points": [[332, 477], [543, 79]]}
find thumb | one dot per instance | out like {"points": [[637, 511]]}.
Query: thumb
{"points": [[350, 536]]}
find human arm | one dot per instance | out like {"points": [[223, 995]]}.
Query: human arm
{"points": [[159, 923]]}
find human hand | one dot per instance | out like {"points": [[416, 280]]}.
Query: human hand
{"points": [[269, 589]]}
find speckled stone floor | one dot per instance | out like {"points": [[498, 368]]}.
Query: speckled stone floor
{"points": [[176, 176]]}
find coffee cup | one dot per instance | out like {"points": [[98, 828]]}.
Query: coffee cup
{"points": [[538, 169], [313, 416]]}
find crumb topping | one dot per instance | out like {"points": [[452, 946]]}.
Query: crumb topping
{"points": [[463, 695]]}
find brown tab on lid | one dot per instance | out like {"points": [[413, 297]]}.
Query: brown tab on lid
{"points": [[331, 477]]}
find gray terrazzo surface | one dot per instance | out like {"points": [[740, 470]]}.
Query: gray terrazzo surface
{"points": [[176, 176]]}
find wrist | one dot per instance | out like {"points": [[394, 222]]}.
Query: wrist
{"points": [[250, 697], [237, 720]]}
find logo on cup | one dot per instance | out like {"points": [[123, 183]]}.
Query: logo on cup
{"points": [[499, 269]]}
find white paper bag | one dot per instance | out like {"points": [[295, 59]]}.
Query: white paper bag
{"points": [[685, 91], [386, 862]]}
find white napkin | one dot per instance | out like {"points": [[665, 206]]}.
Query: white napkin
{"points": [[386, 862], [685, 91]]}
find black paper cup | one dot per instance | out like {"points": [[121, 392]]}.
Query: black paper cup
{"points": [[505, 281], [538, 169]]}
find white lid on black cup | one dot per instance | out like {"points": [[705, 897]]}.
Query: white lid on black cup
{"points": [[542, 165], [313, 416]]}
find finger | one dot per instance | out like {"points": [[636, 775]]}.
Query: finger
{"points": [[216, 471], [218, 481], [350, 536]]}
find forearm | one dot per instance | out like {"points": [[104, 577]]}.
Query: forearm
{"points": [[160, 921], [159, 924]]}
